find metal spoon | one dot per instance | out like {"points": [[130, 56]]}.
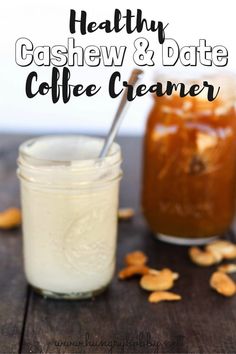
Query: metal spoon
{"points": [[135, 75]]}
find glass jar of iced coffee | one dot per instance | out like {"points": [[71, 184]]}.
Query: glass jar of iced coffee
{"points": [[189, 175]]}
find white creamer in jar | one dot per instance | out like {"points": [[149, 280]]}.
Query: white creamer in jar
{"points": [[69, 204]]}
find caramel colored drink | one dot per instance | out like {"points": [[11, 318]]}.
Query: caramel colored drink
{"points": [[189, 168]]}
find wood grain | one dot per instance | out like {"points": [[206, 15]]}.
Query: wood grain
{"points": [[120, 320], [13, 287]]}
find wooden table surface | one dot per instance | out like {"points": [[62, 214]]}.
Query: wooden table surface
{"points": [[120, 320]]}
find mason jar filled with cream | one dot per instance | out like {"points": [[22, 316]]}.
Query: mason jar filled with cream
{"points": [[69, 204]]}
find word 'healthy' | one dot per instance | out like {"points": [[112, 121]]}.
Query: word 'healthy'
{"points": [[74, 55]]}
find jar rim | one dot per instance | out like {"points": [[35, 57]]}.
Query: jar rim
{"points": [[66, 170], [34, 158]]}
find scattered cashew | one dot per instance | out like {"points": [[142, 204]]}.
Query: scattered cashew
{"points": [[136, 258], [10, 218], [202, 258], [161, 281], [175, 276], [158, 296], [152, 279], [133, 270], [155, 271], [223, 284], [224, 248], [227, 268], [125, 213]]}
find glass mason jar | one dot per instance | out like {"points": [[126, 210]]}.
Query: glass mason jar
{"points": [[69, 204], [189, 177]]}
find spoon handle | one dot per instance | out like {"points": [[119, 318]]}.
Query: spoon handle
{"points": [[119, 114]]}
